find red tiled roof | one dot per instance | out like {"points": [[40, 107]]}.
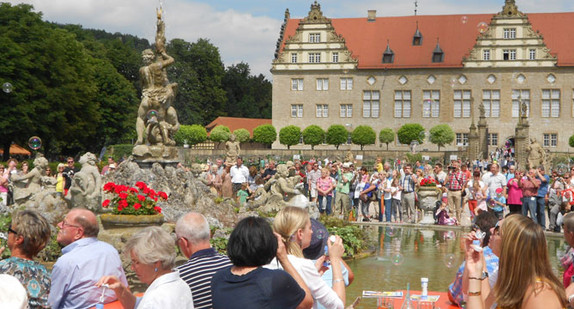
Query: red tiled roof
{"points": [[234, 123], [456, 33]]}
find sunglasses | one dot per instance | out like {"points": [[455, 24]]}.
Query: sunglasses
{"points": [[10, 230]]}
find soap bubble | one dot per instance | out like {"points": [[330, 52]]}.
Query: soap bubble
{"points": [[390, 231], [453, 82], [7, 87], [449, 260], [422, 135], [397, 259], [152, 113], [464, 19], [482, 27], [34, 143]]}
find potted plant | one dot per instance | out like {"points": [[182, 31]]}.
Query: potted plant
{"points": [[132, 206]]}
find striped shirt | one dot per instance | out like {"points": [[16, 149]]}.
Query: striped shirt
{"points": [[197, 273]]}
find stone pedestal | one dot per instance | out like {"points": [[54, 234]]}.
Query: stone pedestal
{"points": [[428, 196], [521, 142]]}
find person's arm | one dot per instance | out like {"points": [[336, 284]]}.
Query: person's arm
{"points": [[125, 296], [336, 251], [350, 271], [288, 267]]}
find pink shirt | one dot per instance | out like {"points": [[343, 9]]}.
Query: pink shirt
{"points": [[514, 192], [324, 184]]}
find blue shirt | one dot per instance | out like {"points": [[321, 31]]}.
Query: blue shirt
{"points": [[455, 288], [76, 272], [497, 207], [543, 189], [328, 278]]}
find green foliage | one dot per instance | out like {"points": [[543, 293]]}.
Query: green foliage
{"points": [[198, 70], [242, 135], [412, 158], [354, 238], [247, 95], [289, 136], [313, 135], [363, 135], [220, 244], [193, 134], [441, 135], [336, 135], [387, 135], [571, 141], [220, 134], [119, 151], [265, 134], [411, 132]]}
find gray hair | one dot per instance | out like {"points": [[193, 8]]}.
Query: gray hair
{"points": [[34, 228], [194, 227], [152, 244], [568, 221]]}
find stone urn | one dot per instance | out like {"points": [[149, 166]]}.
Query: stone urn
{"points": [[111, 221], [427, 201]]}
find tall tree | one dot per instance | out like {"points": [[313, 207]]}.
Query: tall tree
{"points": [[54, 89], [441, 135], [247, 95]]}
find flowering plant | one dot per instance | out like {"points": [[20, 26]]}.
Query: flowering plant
{"points": [[140, 200], [428, 182]]}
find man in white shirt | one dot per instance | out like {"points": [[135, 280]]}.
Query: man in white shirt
{"points": [[239, 174], [494, 180]]}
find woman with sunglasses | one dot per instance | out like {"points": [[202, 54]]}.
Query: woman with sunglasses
{"points": [[27, 236], [525, 276]]}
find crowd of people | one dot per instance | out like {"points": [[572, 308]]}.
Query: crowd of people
{"points": [[387, 191], [279, 266]]}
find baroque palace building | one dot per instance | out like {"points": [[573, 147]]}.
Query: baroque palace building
{"points": [[388, 71]]}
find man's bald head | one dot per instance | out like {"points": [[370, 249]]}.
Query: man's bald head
{"points": [[86, 219], [194, 227]]}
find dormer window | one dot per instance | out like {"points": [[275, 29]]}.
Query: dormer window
{"points": [[388, 55], [418, 37], [437, 54]]}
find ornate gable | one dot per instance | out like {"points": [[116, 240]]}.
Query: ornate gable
{"points": [[314, 46], [509, 41]]}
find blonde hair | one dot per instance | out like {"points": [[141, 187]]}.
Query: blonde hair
{"points": [[287, 222], [524, 263]]}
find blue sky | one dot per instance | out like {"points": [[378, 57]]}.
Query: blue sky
{"points": [[248, 30]]}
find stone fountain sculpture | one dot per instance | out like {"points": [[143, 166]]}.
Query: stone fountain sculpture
{"points": [[232, 147], [86, 189], [39, 193], [157, 119]]}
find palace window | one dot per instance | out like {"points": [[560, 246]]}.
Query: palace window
{"points": [[346, 83], [461, 139], [322, 111], [532, 54], [335, 57], [293, 57], [314, 37], [402, 104], [510, 33], [371, 104], [492, 139], [322, 84], [486, 54], [462, 103], [491, 103], [431, 103], [297, 111], [346, 111], [509, 54], [550, 140], [551, 103], [314, 57], [297, 84], [518, 96]]}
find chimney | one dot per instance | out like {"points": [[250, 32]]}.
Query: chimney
{"points": [[371, 15]]}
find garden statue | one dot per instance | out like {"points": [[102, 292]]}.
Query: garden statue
{"points": [[34, 179], [157, 119], [536, 154], [349, 157], [232, 148], [86, 184]]}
